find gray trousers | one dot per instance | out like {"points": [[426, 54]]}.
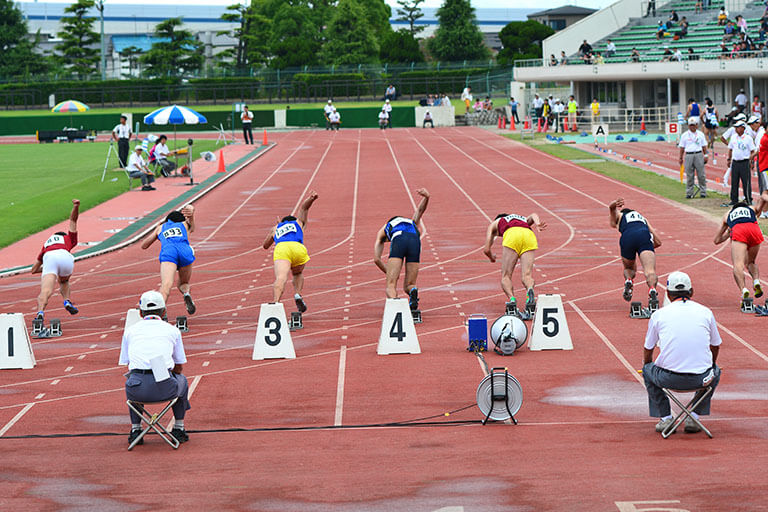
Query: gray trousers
{"points": [[695, 162], [656, 378], [146, 179], [141, 387]]}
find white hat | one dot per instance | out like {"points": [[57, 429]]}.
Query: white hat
{"points": [[753, 119], [679, 282], [386, 101], [739, 123], [151, 300], [740, 117], [138, 146], [693, 120], [329, 101]]}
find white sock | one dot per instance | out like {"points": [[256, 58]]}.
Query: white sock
{"points": [[695, 415], [296, 296], [667, 417], [135, 426], [186, 294], [756, 282], [178, 424]]}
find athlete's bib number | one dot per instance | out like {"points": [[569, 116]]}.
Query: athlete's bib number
{"points": [[284, 230], [550, 325], [54, 240], [635, 217], [273, 325], [396, 331], [173, 233], [515, 217]]}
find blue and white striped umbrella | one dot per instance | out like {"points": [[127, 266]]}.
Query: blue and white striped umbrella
{"points": [[174, 115]]}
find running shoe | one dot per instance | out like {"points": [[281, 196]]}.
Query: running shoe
{"points": [[653, 298], [70, 307], [758, 291], [413, 299], [627, 290], [191, 308], [744, 293], [662, 425], [691, 427], [530, 300], [180, 434], [39, 316], [300, 304]]}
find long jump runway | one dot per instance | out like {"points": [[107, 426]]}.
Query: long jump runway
{"points": [[334, 429]]}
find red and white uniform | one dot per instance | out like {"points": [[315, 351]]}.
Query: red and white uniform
{"points": [[55, 254], [512, 221]]}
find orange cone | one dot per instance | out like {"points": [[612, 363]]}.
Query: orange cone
{"points": [[512, 123], [565, 124], [264, 140], [222, 167], [538, 125], [527, 124], [642, 124]]}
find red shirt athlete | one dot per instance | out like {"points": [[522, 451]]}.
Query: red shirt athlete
{"points": [[56, 262]]}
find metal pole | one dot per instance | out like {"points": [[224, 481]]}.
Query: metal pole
{"points": [[100, 7], [751, 90], [669, 97]]}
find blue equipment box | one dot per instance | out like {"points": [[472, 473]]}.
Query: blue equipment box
{"points": [[477, 333]]}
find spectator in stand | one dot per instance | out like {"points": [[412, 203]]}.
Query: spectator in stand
{"points": [[557, 115], [573, 107], [390, 93], [677, 56], [761, 51], [729, 31], [595, 107], [552, 60], [661, 30], [598, 59], [585, 49], [610, 49], [763, 28], [478, 107], [692, 55], [538, 103], [698, 8], [667, 55], [563, 58], [673, 19], [446, 100], [634, 56], [741, 24], [683, 29], [740, 101], [513, 108], [724, 52], [587, 58], [488, 103], [722, 16], [651, 9]]}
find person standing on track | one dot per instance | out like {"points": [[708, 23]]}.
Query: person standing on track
{"points": [[740, 225], [290, 254], [711, 124], [327, 110], [638, 239], [122, 134], [247, 118], [56, 263], [176, 255], [741, 152], [693, 154], [518, 243], [405, 246]]}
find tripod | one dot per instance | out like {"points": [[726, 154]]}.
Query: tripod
{"points": [[106, 163]]}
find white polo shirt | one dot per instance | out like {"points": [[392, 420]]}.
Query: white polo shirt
{"points": [[328, 109], [246, 117], [387, 108], [334, 117], [692, 141], [383, 116], [122, 131], [759, 136], [149, 338], [730, 132], [135, 163], [161, 151], [741, 146], [683, 331]]}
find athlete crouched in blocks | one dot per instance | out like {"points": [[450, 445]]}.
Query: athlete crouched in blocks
{"points": [[144, 341], [405, 246], [56, 263], [290, 254]]}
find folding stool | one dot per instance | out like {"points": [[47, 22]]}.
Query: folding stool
{"points": [[699, 394], [153, 421]]}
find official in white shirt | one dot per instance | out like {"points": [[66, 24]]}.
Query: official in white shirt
{"points": [[247, 118], [327, 110], [161, 155], [688, 340], [427, 119], [122, 134], [144, 341], [387, 107], [693, 154], [741, 152], [137, 168], [335, 120], [383, 119]]}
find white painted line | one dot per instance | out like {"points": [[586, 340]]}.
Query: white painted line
{"points": [[230, 322], [16, 418], [218, 342], [224, 331], [81, 357], [39, 396], [234, 314], [113, 327], [93, 346], [344, 337], [68, 369], [192, 388], [103, 336], [340, 385], [55, 381], [206, 363]]}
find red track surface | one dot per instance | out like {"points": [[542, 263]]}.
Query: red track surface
{"points": [[584, 441]]}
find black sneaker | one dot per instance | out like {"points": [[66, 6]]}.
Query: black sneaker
{"points": [[300, 304], [39, 318], [413, 299], [627, 291], [180, 434], [189, 304], [133, 435]]}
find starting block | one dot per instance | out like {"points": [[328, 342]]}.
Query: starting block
{"points": [[39, 330], [181, 324], [15, 346], [748, 305], [37, 327], [653, 305], [761, 310], [477, 333], [636, 310], [296, 322], [55, 327], [530, 308], [511, 309], [416, 314], [398, 335]]}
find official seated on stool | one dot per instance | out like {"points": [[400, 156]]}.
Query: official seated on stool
{"points": [[688, 340], [144, 341]]}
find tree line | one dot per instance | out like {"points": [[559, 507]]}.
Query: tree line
{"points": [[277, 34]]}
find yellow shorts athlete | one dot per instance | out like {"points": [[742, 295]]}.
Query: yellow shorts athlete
{"points": [[295, 252], [520, 240]]}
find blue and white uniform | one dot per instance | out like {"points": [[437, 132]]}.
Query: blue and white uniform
{"points": [[404, 239], [635, 235], [288, 231], [175, 244]]}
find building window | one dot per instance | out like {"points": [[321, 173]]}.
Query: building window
{"points": [[557, 24], [607, 92]]}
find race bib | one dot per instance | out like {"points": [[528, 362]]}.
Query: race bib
{"points": [[174, 232], [515, 217], [740, 213], [284, 230], [54, 240], [634, 217]]}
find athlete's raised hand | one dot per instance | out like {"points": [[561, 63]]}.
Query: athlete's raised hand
{"points": [[617, 203], [423, 192]]}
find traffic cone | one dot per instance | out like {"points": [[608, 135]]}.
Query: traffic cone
{"points": [[512, 123], [642, 124], [498, 123], [546, 125], [222, 167], [527, 124], [538, 125], [503, 122], [264, 140], [565, 124]]}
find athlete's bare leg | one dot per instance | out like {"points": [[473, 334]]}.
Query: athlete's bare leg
{"points": [[64, 287], [526, 264], [508, 261], [739, 259], [411, 273], [648, 259], [752, 262], [298, 278], [282, 272], [185, 275], [47, 284], [630, 268], [167, 276], [394, 266]]}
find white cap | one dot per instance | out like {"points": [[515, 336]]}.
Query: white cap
{"points": [[739, 124], [753, 119], [693, 120], [329, 101], [138, 146], [679, 282], [740, 117], [386, 101], [151, 300]]}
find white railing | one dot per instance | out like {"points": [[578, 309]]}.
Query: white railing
{"points": [[618, 119]]}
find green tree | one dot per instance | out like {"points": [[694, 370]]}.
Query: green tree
{"points": [[17, 56], [240, 14], [132, 54], [522, 40], [349, 37], [376, 13], [79, 50], [457, 37], [294, 39], [410, 11], [175, 52], [400, 47]]}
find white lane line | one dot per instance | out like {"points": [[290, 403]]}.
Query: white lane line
{"points": [[340, 385], [206, 363], [611, 346], [68, 369], [81, 357], [192, 388], [740, 340], [55, 381], [39, 396], [16, 418]]}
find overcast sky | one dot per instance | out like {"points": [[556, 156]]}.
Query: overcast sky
{"points": [[504, 4]]}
